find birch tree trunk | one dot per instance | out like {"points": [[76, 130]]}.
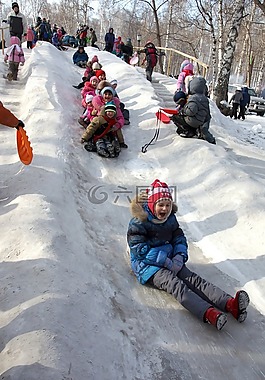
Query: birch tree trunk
{"points": [[220, 34], [168, 31], [221, 87]]}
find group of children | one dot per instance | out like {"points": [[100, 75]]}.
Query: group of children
{"points": [[104, 114]]}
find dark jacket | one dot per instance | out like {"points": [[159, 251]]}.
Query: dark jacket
{"points": [[109, 39], [80, 55], [246, 97]]}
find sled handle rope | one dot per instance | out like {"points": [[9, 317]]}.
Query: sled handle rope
{"points": [[24, 149], [159, 117], [155, 137]]}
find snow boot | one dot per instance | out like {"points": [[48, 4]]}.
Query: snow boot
{"points": [[237, 306], [102, 152], [9, 76], [82, 122], [215, 318], [123, 145]]}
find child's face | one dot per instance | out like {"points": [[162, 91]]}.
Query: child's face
{"points": [[114, 86], [107, 96], [94, 83], [110, 114], [163, 208], [102, 77], [89, 103]]}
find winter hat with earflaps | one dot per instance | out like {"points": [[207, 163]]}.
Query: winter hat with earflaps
{"points": [[157, 192], [110, 106], [14, 5], [94, 78]]}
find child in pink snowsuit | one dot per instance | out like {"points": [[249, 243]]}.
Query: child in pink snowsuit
{"points": [[186, 70], [15, 56], [30, 38]]}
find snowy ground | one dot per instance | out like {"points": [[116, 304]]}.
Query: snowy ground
{"points": [[70, 308]]}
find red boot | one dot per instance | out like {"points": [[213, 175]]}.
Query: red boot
{"points": [[215, 317], [237, 306]]}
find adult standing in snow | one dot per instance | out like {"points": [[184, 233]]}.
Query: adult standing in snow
{"points": [[159, 252], [17, 22], [236, 99], [9, 119], [109, 40], [244, 103]]}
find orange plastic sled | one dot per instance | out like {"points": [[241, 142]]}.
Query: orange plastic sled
{"points": [[23, 147]]}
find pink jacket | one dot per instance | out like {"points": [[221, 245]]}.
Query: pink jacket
{"points": [[88, 89], [98, 103], [187, 70], [87, 114], [88, 70], [14, 53], [30, 35]]}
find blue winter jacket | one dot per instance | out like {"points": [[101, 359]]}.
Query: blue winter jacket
{"points": [[151, 242], [80, 56]]}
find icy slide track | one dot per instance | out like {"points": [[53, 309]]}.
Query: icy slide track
{"points": [[70, 307]]}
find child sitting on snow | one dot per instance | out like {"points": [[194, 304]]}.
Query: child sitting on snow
{"points": [[89, 89], [15, 56], [85, 119], [159, 252], [100, 135]]}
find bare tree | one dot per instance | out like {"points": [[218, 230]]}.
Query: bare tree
{"points": [[260, 4], [155, 10]]}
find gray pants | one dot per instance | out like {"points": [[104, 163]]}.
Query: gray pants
{"points": [[192, 291], [13, 69]]}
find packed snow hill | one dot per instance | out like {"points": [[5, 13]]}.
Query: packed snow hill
{"points": [[70, 307]]}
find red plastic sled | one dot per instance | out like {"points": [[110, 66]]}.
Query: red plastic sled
{"points": [[24, 149], [162, 117], [170, 111]]}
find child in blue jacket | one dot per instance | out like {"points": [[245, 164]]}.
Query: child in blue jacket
{"points": [[159, 252]]}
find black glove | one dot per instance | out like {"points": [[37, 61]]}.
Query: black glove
{"points": [[4, 20], [20, 124]]}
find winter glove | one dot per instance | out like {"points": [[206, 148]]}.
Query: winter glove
{"points": [[20, 124], [177, 263], [174, 265], [115, 127]]}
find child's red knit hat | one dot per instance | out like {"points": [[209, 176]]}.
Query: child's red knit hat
{"points": [[99, 72], [158, 191]]}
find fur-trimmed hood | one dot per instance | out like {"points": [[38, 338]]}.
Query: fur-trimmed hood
{"points": [[138, 211]]}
